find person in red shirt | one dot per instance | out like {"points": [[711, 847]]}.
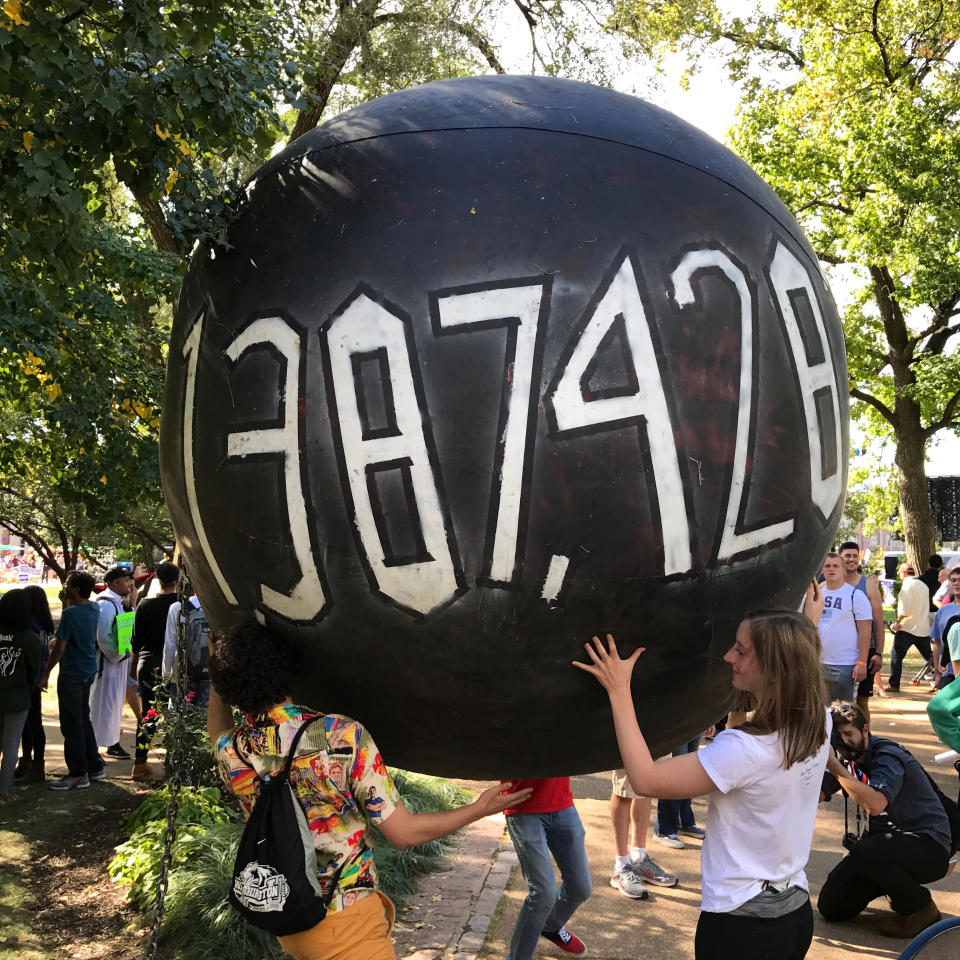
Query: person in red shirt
{"points": [[548, 823]]}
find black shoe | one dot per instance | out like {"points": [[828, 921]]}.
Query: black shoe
{"points": [[118, 752]]}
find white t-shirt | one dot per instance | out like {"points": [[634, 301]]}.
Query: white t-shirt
{"points": [[169, 663], [760, 818], [842, 609], [913, 607]]}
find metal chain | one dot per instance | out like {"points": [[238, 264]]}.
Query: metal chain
{"points": [[175, 760]]}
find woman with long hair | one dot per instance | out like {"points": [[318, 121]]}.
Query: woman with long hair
{"points": [[34, 739], [19, 667], [762, 782]]}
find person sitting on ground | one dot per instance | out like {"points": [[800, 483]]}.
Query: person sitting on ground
{"points": [[762, 781], [908, 840], [336, 764], [19, 667]]}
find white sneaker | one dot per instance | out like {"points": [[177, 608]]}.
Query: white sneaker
{"points": [[628, 882], [669, 840], [70, 783]]}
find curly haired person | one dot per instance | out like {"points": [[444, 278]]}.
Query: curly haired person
{"points": [[340, 780]]}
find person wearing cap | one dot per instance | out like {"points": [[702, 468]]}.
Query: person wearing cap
{"points": [[109, 690], [912, 626]]}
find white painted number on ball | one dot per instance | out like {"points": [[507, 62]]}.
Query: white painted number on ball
{"points": [[365, 327], [646, 404], [306, 599], [731, 542], [803, 320], [191, 353], [519, 306]]}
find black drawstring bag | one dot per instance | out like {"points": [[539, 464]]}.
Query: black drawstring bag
{"points": [[275, 884]]}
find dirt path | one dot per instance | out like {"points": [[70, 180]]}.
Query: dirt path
{"points": [[56, 899]]}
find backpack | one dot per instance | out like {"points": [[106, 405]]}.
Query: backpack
{"points": [[275, 885], [950, 807], [121, 632], [196, 632]]}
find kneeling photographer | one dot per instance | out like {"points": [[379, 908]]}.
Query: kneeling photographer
{"points": [[909, 838]]}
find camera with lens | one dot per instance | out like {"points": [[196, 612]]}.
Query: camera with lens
{"points": [[849, 841]]}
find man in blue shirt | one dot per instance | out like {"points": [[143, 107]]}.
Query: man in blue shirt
{"points": [[909, 840], [76, 653]]}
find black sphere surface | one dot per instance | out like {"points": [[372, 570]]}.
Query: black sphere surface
{"points": [[489, 366]]}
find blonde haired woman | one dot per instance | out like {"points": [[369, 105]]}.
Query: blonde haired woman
{"points": [[762, 781]]}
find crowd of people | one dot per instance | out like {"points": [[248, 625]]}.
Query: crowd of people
{"points": [[798, 732], [112, 648]]}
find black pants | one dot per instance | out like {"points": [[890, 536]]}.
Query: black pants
{"points": [[902, 642], [79, 741], [34, 738], [724, 936], [883, 864], [149, 681]]}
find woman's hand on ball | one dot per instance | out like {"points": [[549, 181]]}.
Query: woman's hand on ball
{"points": [[607, 666]]}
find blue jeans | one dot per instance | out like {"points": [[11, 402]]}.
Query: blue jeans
{"points": [[674, 814], [535, 836], [79, 741], [840, 682]]}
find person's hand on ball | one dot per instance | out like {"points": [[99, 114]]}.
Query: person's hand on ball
{"points": [[607, 666]]}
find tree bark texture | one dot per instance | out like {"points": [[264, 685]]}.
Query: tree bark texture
{"points": [[916, 516]]}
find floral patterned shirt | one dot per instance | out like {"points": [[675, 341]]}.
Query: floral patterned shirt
{"points": [[339, 778]]}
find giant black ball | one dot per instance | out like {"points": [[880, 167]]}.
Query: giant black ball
{"points": [[489, 366]]}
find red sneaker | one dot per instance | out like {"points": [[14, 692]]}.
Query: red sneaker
{"points": [[566, 941]]}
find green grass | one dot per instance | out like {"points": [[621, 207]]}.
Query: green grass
{"points": [[17, 941]]}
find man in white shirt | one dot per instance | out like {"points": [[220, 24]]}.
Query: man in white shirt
{"points": [[109, 690], [912, 625], [845, 629]]}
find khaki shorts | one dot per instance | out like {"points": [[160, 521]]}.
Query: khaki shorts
{"points": [[621, 786], [358, 932]]}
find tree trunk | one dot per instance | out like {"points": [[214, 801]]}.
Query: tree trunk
{"points": [[915, 513], [352, 25], [153, 215]]}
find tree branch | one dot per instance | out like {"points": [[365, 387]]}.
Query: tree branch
{"points": [[742, 39], [830, 258], [940, 329], [878, 405], [840, 207], [875, 31], [946, 419]]}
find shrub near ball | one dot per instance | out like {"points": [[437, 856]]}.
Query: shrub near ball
{"points": [[488, 366]]}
